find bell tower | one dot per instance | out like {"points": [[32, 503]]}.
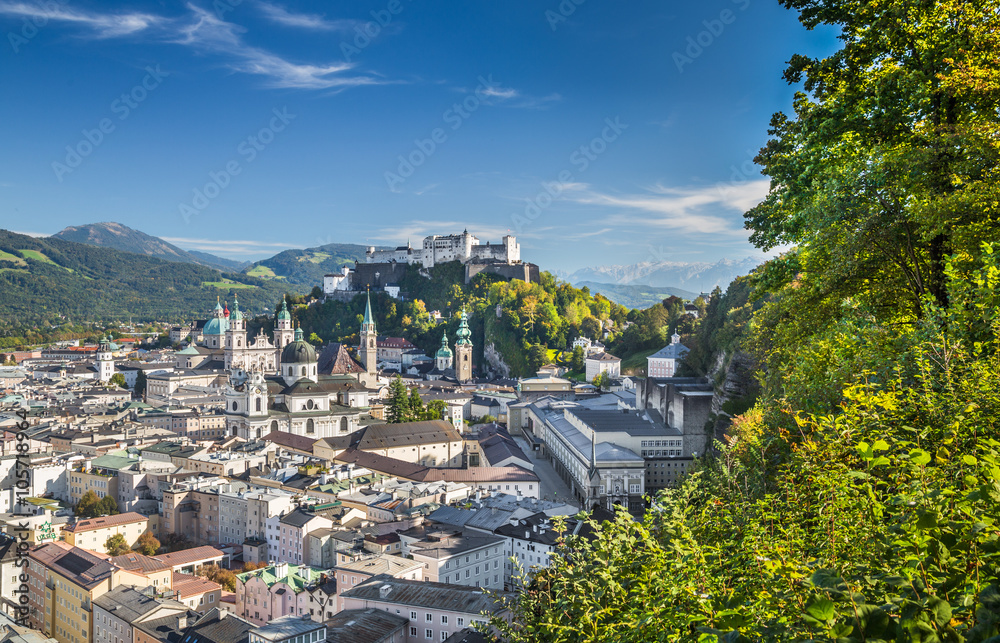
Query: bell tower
{"points": [[368, 346], [283, 333], [463, 350]]}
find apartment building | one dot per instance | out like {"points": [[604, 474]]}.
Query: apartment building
{"points": [[119, 611], [450, 556], [93, 533], [282, 589], [63, 582]]}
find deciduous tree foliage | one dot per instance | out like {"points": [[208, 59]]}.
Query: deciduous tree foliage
{"points": [[859, 500]]}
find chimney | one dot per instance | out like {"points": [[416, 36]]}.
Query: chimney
{"points": [[182, 619]]}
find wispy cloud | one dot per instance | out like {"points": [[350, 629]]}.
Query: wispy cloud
{"points": [[493, 93], [209, 33], [685, 209], [103, 25], [313, 22], [205, 32], [231, 247]]}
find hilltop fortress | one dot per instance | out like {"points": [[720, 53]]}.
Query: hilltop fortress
{"points": [[383, 269], [439, 249]]}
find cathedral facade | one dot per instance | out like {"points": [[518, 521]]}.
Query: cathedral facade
{"points": [[277, 386]]}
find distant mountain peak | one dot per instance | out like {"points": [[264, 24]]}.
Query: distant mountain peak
{"points": [[111, 234]]}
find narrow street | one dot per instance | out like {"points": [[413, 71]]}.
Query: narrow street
{"points": [[552, 486]]}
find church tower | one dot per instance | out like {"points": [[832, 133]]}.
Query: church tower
{"points": [[463, 350], [105, 363], [443, 357], [367, 348], [236, 333], [283, 333]]}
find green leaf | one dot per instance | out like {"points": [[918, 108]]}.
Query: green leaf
{"points": [[822, 609], [920, 457], [969, 459]]}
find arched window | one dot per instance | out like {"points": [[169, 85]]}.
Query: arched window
{"points": [[239, 342], [274, 425], [234, 406], [310, 427], [310, 405], [343, 425], [303, 370], [258, 405]]}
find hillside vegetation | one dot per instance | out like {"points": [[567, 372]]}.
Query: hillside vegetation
{"points": [[47, 281], [859, 499], [122, 237], [305, 268]]}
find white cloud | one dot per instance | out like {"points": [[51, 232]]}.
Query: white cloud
{"points": [[105, 25], [686, 209], [209, 33], [231, 247], [204, 31], [283, 16]]}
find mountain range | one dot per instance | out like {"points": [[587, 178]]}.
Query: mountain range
{"points": [[109, 234], [694, 277], [302, 268]]}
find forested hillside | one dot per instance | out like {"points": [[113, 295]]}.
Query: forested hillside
{"points": [[49, 281], [305, 268], [858, 500]]}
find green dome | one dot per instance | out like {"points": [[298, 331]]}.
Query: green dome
{"points": [[283, 311], [298, 352], [235, 314], [444, 351], [463, 333], [216, 326]]}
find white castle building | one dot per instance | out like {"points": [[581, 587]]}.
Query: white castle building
{"points": [[440, 249]]}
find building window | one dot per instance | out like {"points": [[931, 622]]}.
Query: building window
{"points": [[428, 634]]}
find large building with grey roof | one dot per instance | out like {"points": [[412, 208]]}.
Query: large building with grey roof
{"points": [[435, 610]]}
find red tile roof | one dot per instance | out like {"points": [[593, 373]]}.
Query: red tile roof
{"points": [[105, 521]]}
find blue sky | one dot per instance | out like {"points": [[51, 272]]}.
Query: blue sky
{"points": [[597, 132]]}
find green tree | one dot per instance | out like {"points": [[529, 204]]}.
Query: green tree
{"points": [[108, 506], [435, 410], [577, 362], [398, 404], [177, 542], [147, 544], [140, 384], [116, 545], [89, 505], [537, 357], [414, 406], [591, 327], [118, 380], [888, 165]]}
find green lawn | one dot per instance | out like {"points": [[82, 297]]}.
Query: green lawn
{"points": [[317, 257], [37, 256], [261, 271], [6, 256], [225, 284]]}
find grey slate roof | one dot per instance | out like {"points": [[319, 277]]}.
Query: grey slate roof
{"points": [[363, 626], [415, 593]]}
